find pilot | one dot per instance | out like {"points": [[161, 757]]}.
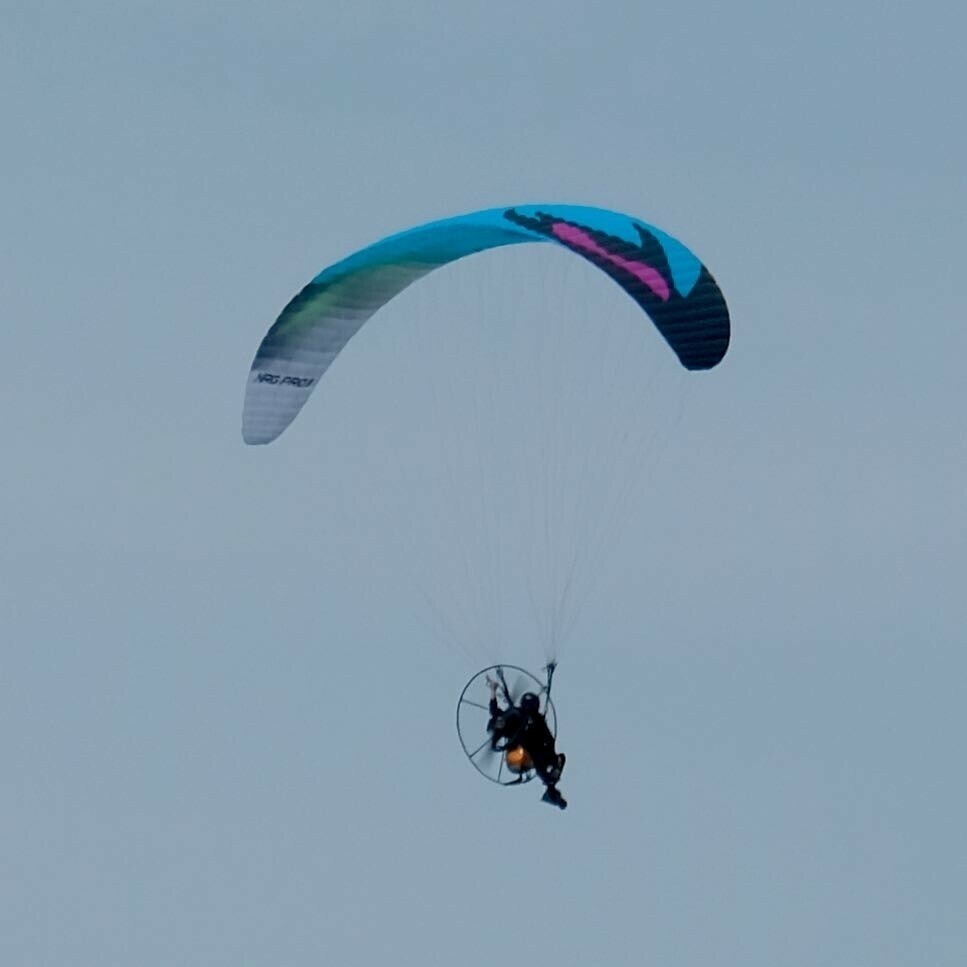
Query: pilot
{"points": [[522, 728]]}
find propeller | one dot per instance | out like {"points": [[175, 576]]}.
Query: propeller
{"points": [[473, 715], [514, 690]]}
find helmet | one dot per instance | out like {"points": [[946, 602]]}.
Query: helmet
{"points": [[529, 702]]}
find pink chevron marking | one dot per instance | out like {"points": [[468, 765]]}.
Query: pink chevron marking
{"points": [[578, 238]]}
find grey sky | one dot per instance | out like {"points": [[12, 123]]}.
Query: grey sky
{"points": [[226, 727]]}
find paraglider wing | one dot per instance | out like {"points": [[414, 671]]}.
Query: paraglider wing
{"points": [[663, 277]]}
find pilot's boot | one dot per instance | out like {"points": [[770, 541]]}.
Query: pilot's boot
{"points": [[554, 797]]}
